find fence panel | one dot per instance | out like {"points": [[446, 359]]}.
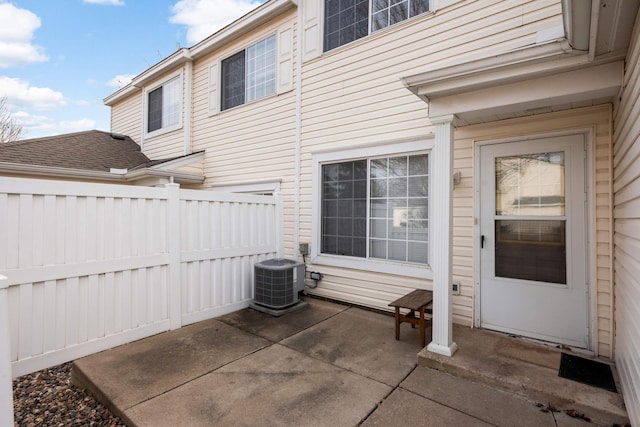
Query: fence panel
{"points": [[75, 269], [93, 266], [222, 236]]}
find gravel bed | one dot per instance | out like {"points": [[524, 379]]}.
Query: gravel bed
{"points": [[47, 398]]}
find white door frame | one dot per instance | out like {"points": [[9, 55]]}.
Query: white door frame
{"points": [[589, 221]]}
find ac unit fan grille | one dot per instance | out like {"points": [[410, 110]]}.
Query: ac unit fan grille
{"points": [[274, 288]]}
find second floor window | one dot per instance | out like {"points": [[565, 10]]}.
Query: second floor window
{"points": [[249, 74], [349, 20], [163, 109]]}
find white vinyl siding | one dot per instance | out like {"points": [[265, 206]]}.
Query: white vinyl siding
{"points": [[353, 97], [126, 117], [627, 231], [255, 142], [169, 141]]}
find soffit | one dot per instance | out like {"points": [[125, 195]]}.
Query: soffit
{"points": [[615, 20]]}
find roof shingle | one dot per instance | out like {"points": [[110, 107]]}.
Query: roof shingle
{"points": [[90, 150]]}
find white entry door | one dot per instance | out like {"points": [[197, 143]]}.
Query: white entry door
{"points": [[533, 278]]}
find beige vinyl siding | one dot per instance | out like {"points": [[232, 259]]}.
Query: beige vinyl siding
{"points": [[126, 117], [251, 142], [598, 119], [169, 144], [627, 230], [353, 96]]}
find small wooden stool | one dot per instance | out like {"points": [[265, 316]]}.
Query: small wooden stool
{"points": [[414, 301]]}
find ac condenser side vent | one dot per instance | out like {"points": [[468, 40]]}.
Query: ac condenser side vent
{"points": [[277, 282]]}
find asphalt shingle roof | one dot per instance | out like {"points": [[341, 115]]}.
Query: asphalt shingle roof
{"points": [[91, 150]]}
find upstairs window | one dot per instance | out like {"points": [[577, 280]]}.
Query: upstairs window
{"points": [[249, 74], [349, 20], [163, 106]]}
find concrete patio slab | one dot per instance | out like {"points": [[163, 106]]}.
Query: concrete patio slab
{"points": [[278, 328], [491, 405], [275, 386], [407, 409], [528, 369], [132, 373], [341, 367], [363, 342]]}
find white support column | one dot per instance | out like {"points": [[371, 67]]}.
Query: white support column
{"points": [[441, 226], [6, 385], [173, 236]]}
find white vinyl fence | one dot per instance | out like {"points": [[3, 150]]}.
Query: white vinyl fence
{"points": [[93, 266]]}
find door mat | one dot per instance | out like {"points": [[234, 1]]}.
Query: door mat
{"points": [[587, 371]]}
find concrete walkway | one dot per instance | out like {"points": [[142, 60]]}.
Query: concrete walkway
{"points": [[325, 365]]}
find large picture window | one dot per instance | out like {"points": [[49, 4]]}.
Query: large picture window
{"points": [[377, 208], [249, 74], [349, 20], [163, 106]]}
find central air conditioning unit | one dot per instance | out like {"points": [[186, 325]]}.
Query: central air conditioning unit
{"points": [[277, 283]]}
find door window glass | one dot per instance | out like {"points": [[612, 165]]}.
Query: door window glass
{"points": [[530, 185]]}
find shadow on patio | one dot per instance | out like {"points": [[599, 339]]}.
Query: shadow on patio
{"points": [[325, 365]]}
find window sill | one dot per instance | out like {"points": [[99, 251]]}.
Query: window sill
{"points": [[399, 26], [239, 107], [375, 265], [162, 131]]}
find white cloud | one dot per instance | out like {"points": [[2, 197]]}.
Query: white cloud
{"points": [[16, 31], [121, 80], [107, 2], [205, 17], [34, 126], [22, 95]]}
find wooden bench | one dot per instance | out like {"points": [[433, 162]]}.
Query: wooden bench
{"points": [[417, 300]]}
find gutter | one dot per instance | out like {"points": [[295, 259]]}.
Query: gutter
{"points": [[79, 174], [176, 59], [241, 26]]}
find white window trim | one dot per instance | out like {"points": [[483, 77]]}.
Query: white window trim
{"points": [[434, 6], [259, 186], [177, 75], [218, 86], [284, 70], [370, 264]]}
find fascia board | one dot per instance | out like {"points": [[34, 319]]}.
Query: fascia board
{"points": [[180, 177], [448, 80], [241, 26], [570, 86], [176, 59], [176, 163], [120, 94], [23, 169]]}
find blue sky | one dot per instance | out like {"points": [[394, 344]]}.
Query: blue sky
{"points": [[60, 58]]}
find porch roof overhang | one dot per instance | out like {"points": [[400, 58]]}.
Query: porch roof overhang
{"points": [[534, 80], [581, 67]]}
